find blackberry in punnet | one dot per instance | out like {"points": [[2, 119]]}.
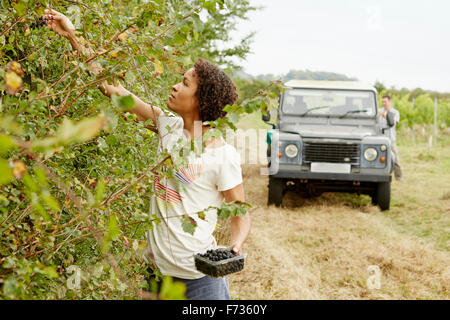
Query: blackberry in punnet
{"points": [[219, 262]]}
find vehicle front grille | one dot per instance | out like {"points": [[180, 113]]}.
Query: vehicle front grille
{"points": [[331, 152]]}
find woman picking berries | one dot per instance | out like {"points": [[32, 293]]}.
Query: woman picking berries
{"points": [[206, 182]]}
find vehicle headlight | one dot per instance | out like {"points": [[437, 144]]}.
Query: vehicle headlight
{"points": [[291, 151], [383, 147], [370, 154]]}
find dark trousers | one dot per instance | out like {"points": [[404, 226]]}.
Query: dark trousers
{"points": [[205, 288]]}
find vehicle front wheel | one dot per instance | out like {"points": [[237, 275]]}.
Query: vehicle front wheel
{"points": [[276, 191], [373, 196], [383, 195]]}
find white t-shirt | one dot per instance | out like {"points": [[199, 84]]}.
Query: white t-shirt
{"points": [[193, 189], [391, 130]]}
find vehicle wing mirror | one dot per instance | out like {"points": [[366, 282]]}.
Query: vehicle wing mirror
{"points": [[390, 119]]}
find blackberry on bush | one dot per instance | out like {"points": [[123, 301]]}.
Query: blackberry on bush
{"points": [[39, 23]]}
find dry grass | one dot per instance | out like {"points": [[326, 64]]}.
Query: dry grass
{"points": [[321, 248]]}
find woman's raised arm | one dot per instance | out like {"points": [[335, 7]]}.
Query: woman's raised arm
{"points": [[59, 23]]}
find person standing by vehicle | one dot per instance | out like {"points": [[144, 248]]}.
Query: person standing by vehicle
{"points": [[387, 107], [204, 183]]}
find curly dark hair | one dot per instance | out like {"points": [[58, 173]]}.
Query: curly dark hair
{"points": [[215, 90]]}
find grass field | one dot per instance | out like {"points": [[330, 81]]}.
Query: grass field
{"points": [[321, 248]]}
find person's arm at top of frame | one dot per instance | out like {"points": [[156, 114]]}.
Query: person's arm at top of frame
{"points": [[240, 226], [59, 23]]}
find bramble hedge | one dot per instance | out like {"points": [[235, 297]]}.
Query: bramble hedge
{"points": [[76, 170]]}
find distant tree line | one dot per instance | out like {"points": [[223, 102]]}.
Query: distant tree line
{"points": [[421, 113], [414, 93]]}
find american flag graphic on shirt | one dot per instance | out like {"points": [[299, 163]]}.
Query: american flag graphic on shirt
{"points": [[169, 197], [186, 176], [166, 194]]}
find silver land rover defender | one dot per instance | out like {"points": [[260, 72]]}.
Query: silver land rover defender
{"points": [[329, 138]]}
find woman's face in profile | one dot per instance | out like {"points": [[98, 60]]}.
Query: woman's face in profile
{"points": [[183, 99]]}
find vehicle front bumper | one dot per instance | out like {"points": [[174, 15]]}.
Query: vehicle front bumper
{"points": [[295, 172]]}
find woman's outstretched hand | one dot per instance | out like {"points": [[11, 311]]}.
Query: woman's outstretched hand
{"points": [[59, 23]]}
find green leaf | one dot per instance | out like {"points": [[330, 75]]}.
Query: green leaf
{"points": [[126, 102], [210, 6], [159, 68], [50, 272], [86, 129], [223, 212], [6, 175], [41, 176], [5, 144], [30, 183], [234, 117], [113, 227], [171, 290], [10, 262], [235, 208], [188, 224], [112, 232], [230, 108], [8, 123], [70, 132], [99, 190], [202, 215], [37, 206], [187, 60], [179, 38], [49, 200], [20, 7], [10, 286]]}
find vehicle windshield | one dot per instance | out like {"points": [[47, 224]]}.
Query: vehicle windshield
{"points": [[318, 102]]}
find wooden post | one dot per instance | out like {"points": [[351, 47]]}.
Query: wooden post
{"points": [[435, 120], [412, 127]]}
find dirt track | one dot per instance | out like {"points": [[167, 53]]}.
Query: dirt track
{"points": [[322, 248]]}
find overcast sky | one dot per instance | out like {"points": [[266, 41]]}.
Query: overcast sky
{"points": [[399, 42]]}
